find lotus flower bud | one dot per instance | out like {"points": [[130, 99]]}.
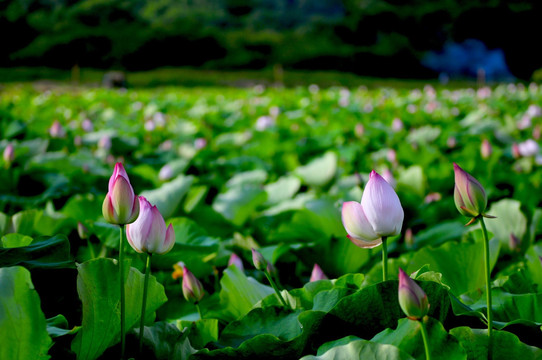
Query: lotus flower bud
{"points": [[397, 125], [56, 130], [120, 205], [192, 288], [82, 230], [258, 260], [166, 173], [528, 148], [200, 143], [317, 273], [149, 233], [271, 269], [515, 151], [379, 214], [409, 237], [359, 130], [9, 155], [485, 149], [87, 125], [451, 142], [412, 298], [236, 261], [469, 195]]}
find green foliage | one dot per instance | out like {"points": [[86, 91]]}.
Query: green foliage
{"points": [[23, 327]]}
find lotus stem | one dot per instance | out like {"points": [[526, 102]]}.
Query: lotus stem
{"points": [[122, 295], [425, 340], [144, 305], [488, 284], [384, 258]]}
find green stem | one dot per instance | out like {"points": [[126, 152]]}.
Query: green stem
{"points": [[488, 284], [425, 340], [143, 307], [122, 295], [275, 288], [199, 310], [384, 258], [91, 249]]}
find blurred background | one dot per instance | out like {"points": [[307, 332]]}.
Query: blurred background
{"points": [[424, 39]]}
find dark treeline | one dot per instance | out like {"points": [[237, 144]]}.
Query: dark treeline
{"points": [[367, 37]]}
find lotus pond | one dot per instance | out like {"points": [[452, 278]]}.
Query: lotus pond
{"points": [[268, 169]]}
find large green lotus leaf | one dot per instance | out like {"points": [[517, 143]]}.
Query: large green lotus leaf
{"points": [[413, 180], [319, 171], [168, 196], [461, 265], [252, 177], [505, 345], [510, 220], [14, 240], [360, 349], [192, 247], [408, 337], [101, 305], [534, 267], [200, 332], [376, 307], [4, 223], [238, 294], [195, 196], [164, 341], [281, 190], [239, 203], [46, 222], [512, 307], [268, 333], [44, 253], [84, 207], [272, 320], [22, 323], [439, 234]]}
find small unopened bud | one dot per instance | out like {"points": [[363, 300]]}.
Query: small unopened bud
{"points": [[469, 195], [409, 237], [359, 130], [258, 260], [236, 261], [9, 155], [397, 125], [485, 149], [317, 273], [412, 299], [192, 288], [515, 151], [82, 230], [56, 130]]}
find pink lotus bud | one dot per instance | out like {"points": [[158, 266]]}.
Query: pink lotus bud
{"points": [[524, 123], [56, 130], [392, 156], [515, 151], [271, 269], [409, 237], [200, 143], [469, 195], [105, 143], [485, 149], [9, 155], [166, 173], [192, 288], [379, 214], [528, 148], [359, 130], [77, 140], [82, 230], [258, 260], [432, 197], [120, 205], [451, 142], [412, 299], [536, 132], [236, 261], [317, 274], [149, 233], [397, 125], [150, 125], [87, 125]]}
